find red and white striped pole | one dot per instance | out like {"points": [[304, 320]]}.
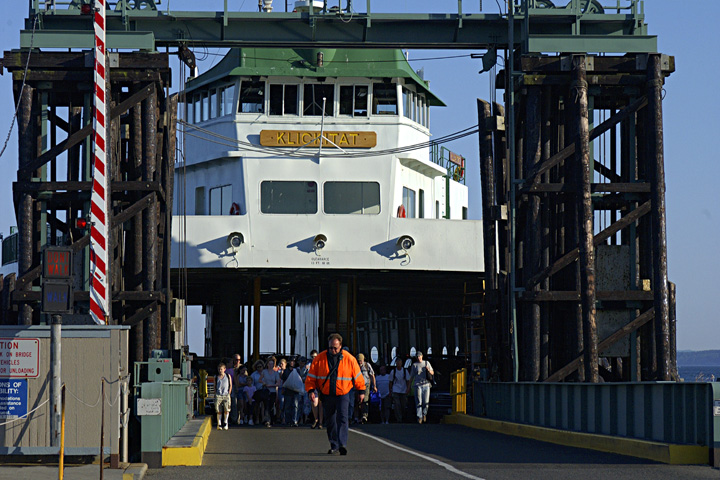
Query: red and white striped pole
{"points": [[99, 291]]}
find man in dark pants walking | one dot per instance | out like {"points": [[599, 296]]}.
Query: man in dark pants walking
{"points": [[334, 373]]}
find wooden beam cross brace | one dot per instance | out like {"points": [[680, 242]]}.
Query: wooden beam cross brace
{"points": [[608, 342], [572, 255]]}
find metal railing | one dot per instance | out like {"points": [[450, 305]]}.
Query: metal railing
{"points": [[452, 162], [10, 249], [668, 412], [156, 430], [174, 396]]}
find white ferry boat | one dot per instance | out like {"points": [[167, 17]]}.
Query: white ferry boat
{"points": [[309, 179]]}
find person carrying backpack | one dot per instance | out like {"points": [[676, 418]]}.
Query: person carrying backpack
{"points": [[400, 387], [369, 376]]}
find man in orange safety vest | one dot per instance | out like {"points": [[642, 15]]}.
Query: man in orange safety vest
{"points": [[332, 375]]}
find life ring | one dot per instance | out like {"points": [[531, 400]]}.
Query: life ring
{"points": [[234, 209], [401, 212]]}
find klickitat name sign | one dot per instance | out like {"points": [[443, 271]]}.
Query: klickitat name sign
{"points": [[304, 138], [19, 357]]}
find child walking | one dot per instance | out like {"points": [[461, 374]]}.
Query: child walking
{"points": [[223, 387], [253, 407]]}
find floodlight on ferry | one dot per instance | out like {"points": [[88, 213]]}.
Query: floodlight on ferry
{"points": [[405, 242], [235, 240], [319, 241]]}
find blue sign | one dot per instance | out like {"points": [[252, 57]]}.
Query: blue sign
{"points": [[13, 397]]}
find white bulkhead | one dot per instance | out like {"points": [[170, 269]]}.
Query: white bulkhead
{"points": [[256, 189]]}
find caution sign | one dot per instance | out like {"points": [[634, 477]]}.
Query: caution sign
{"points": [[13, 398], [19, 357], [304, 138]]}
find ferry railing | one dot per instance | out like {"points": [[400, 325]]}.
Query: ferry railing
{"points": [[458, 391], [449, 160], [669, 412], [10, 249]]}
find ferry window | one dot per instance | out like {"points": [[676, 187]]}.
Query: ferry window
{"points": [[416, 115], [361, 102], [421, 107], [384, 99], [362, 198], [221, 101], [220, 200], [200, 201], [437, 209], [213, 103], [283, 99], [421, 203], [464, 213], [252, 96], [190, 116], [354, 100], [288, 197], [205, 106], [313, 98], [276, 99], [406, 102], [198, 108], [227, 98], [409, 202], [291, 100]]}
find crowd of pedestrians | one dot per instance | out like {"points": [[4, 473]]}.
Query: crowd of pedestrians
{"points": [[285, 392]]}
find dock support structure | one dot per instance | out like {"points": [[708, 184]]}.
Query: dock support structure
{"points": [[55, 127], [587, 237]]}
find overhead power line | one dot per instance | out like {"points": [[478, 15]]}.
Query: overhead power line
{"points": [[213, 137]]}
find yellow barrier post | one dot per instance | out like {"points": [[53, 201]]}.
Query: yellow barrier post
{"points": [[462, 394], [457, 391], [61, 469]]}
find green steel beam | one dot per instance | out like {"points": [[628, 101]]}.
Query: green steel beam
{"points": [[609, 33], [86, 39], [592, 44]]}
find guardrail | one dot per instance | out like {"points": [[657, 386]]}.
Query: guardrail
{"points": [[668, 412], [452, 162], [458, 391]]}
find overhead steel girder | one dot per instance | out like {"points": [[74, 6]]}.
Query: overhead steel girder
{"points": [[607, 33]]}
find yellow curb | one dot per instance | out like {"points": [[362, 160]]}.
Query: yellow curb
{"points": [[189, 456], [659, 452]]}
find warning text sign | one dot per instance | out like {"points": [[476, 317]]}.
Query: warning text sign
{"points": [[19, 357]]}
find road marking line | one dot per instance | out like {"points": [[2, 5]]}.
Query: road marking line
{"points": [[424, 456]]}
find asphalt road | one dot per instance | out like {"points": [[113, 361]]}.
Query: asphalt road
{"points": [[426, 452]]}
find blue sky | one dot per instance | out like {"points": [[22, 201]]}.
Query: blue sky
{"points": [[691, 120]]}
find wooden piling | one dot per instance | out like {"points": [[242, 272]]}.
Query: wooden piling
{"points": [[579, 91]]}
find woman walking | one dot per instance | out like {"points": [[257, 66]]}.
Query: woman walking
{"points": [[420, 374]]}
